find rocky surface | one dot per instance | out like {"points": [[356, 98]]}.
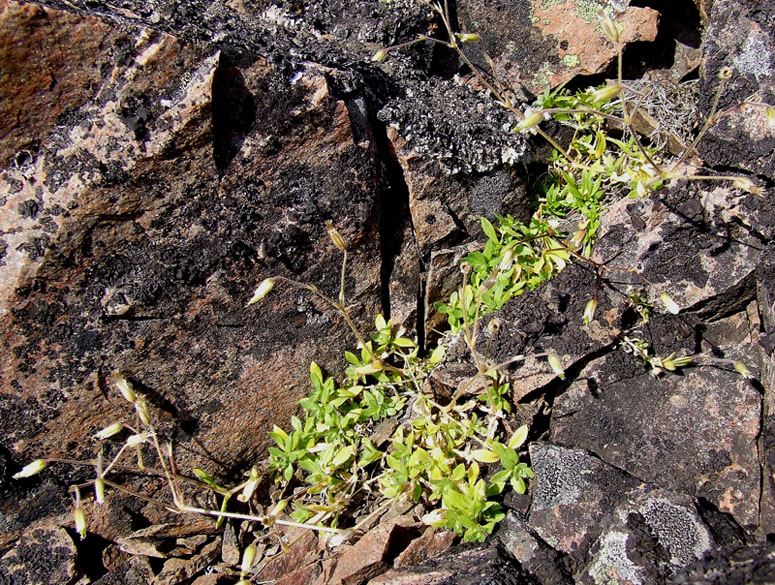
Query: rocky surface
{"points": [[158, 160]]}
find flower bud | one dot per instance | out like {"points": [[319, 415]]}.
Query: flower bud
{"points": [[80, 521], [605, 93], [247, 560], [33, 468], [141, 406], [556, 365], [468, 37], [747, 185], [507, 260], [336, 237], [589, 311], [138, 439], [379, 56], [124, 386], [670, 304], [262, 290], [743, 370], [531, 119], [109, 431], [608, 26], [99, 490]]}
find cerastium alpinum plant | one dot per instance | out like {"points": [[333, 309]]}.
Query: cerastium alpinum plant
{"points": [[594, 169], [335, 462]]}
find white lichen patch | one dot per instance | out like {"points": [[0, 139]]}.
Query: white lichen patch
{"points": [[754, 57]]}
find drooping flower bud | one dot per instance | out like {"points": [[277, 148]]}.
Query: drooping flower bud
{"points": [[743, 370], [109, 431], [262, 290], [747, 185], [80, 521], [380, 56], [556, 365], [247, 560], [532, 118], [468, 37], [124, 386], [141, 406], [31, 469], [336, 237], [605, 93], [99, 490], [608, 26], [670, 304], [589, 311]]}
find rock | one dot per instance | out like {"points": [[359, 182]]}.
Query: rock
{"points": [[301, 576], [753, 563], [543, 562], [650, 535], [301, 552], [742, 139], [699, 435], [180, 570], [146, 265], [373, 553], [134, 571], [42, 555], [539, 45], [572, 493], [429, 544], [41, 97], [461, 565], [459, 160]]}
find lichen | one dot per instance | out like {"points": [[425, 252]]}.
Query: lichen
{"points": [[571, 60]]}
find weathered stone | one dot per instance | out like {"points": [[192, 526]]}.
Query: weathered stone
{"points": [[461, 565], [742, 139], [302, 550], [540, 560], [740, 565], [458, 158], [572, 492], [301, 576], [695, 432], [373, 553], [35, 99], [134, 571], [429, 544], [652, 534], [43, 555], [541, 44], [177, 571], [147, 268]]}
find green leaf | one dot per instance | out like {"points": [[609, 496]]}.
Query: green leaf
{"points": [[315, 374], [518, 438], [489, 230], [484, 456]]}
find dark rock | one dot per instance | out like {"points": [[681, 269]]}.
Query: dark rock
{"points": [[650, 535], [695, 432], [135, 571], [572, 492], [43, 555], [732, 566], [742, 139], [462, 565], [548, 566]]}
